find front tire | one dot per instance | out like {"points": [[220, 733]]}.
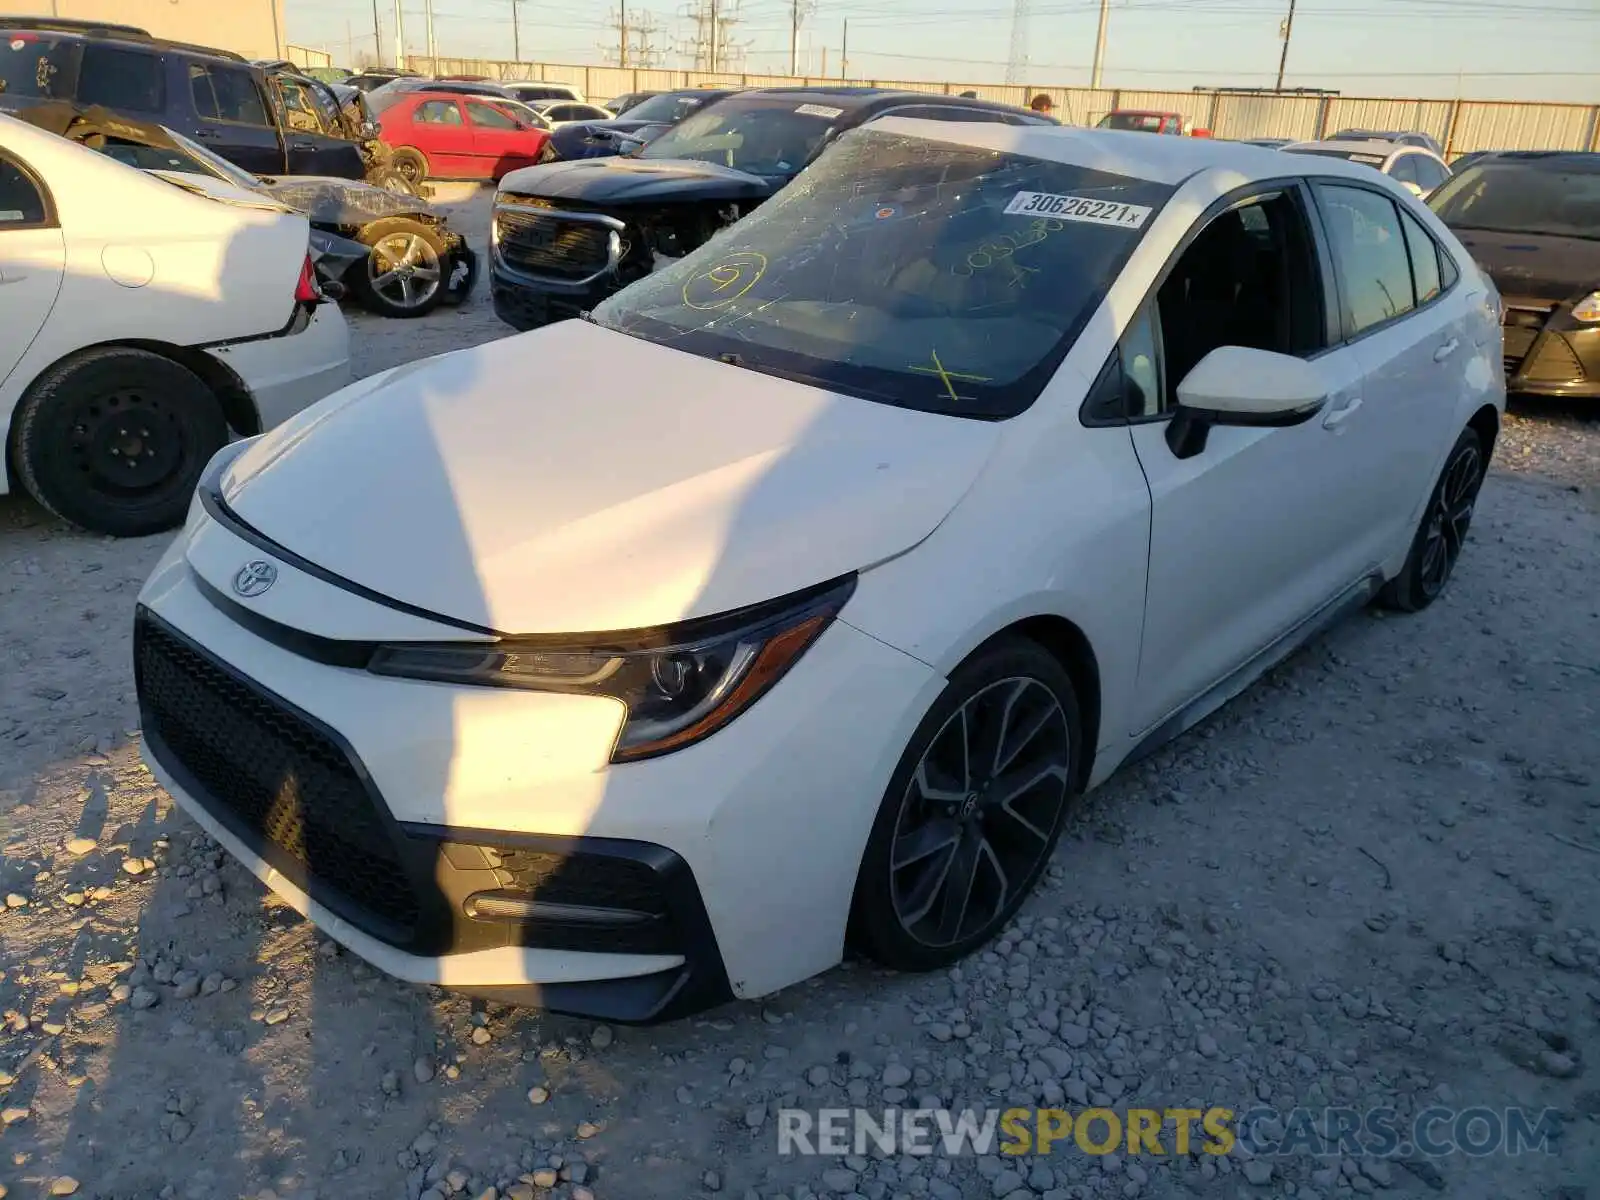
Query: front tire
{"points": [[1440, 537], [114, 440], [972, 812], [405, 274], [411, 165]]}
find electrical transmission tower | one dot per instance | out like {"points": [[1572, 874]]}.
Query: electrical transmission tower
{"points": [[1017, 60], [633, 37], [712, 46]]}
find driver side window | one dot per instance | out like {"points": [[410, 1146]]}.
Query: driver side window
{"points": [[1249, 278]]}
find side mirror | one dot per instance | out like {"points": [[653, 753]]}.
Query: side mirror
{"points": [[1234, 385]]}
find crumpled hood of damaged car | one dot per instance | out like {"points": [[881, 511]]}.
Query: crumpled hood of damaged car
{"points": [[621, 180], [576, 479]]}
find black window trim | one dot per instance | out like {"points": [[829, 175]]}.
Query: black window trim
{"points": [[1242, 197], [1349, 339], [51, 218], [263, 94]]}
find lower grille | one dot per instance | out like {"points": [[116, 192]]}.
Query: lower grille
{"points": [[277, 781], [548, 244], [1553, 362]]}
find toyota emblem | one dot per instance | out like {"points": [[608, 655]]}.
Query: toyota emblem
{"points": [[254, 578]]}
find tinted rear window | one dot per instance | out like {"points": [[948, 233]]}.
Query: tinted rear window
{"points": [[33, 64], [1138, 122]]}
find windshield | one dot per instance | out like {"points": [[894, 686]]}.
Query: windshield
{"points": [[1562, 200], [1138, 122], [1355, 156], [34, 64], [184, 157], [766, 135], [912, 272], [668, 108]]}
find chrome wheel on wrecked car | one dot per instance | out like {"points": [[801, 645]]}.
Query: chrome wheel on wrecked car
{"points": [[407, 270], [1450, 517]]}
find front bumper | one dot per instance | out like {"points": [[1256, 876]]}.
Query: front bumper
{"points": [[286, 374], [478, 838], [1549, 354]]}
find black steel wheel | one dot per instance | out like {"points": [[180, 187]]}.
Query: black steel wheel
{"points": [[115, 440], [411, 165], [969, 821], [1442, 535]]}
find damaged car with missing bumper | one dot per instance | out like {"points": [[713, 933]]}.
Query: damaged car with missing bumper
{"points": [[390, 250], [568, 234]]}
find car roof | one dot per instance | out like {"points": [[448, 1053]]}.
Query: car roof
{"points": [[1583, 161], [1169, 160], [1356, 146], [858, 99]]}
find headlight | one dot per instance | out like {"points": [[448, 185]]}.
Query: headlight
{"points": [[680, 684], [1587, 309]]}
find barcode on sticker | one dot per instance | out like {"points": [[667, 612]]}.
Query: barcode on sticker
{"points": [[1078, 208], [820, 110]]}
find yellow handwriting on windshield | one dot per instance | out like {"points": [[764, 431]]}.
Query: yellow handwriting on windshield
{"points": [[948, 378], [724, 282], [1003, 249]]}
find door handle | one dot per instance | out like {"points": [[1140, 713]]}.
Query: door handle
{"points": [[1341, 413], [302, 145], [207, 135], [1446, 350]]}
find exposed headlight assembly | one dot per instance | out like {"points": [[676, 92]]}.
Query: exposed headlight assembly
{"points": [[680, 684], [1587, 309]]}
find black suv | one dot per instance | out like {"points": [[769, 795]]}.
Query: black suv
{"points": [[225, 103], [568, 234]]}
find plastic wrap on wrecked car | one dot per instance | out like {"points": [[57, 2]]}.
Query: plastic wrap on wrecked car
{"points": [[345, 202]]}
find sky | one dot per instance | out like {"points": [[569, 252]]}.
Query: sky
{"points": [[1478, 49]]}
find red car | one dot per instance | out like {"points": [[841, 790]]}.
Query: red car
{"points": [[440, 135]]}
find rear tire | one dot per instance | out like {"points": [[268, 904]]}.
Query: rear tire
{"points": [[114, 440], [981, 794], [411, 165], [1440, 537]]}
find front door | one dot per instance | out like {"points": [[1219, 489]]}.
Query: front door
{"points": [[32, 260], [233, 118], [1255, 534], [443, 135]]}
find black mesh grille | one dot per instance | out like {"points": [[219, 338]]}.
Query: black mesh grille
{"points": [[548, 245], [275, 780], [1554, 363]]}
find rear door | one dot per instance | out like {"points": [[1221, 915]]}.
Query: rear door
{"points": [[1413, 338], [310, 122], [233, 116], [441, 132], [499, 143], [32, 259]]}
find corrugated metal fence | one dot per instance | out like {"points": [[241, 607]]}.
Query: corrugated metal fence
{"points": [[1459, 125], [304, 56]]}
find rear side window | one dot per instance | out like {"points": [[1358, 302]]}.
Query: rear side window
{"points": [[1404, 169], [439, 112], [1424, 253], [224, 93], [36, 65], [22, 204], [1369, 253], [121, 79]]}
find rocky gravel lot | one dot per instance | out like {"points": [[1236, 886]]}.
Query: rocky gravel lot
{"points": [[1370, 882]]}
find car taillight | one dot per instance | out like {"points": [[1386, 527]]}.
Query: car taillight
{"points": [[307, 291]]}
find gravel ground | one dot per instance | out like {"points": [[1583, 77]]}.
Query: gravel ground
{"points": [[1369, 882]]}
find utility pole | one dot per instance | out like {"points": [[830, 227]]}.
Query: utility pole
{"points": [[1100, 43], [794, 37], [433, 49], [399, 35], [716, 21], [516, 33], [377, 35], [622, 33], [844, 51], [1288, 29]]}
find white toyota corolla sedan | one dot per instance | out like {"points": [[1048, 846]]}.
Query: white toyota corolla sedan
{"points": [[783, 605]]}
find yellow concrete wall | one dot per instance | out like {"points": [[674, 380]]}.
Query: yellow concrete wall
{"points": [[253, 28]]}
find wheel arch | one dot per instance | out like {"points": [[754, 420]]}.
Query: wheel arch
{"points": [[1486, 424], [1070, 646], [238, 406]]}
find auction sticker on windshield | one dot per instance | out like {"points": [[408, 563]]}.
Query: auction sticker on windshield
{"points": [[820, 110], [1078, 208]]}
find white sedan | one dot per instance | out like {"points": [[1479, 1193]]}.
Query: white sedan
{"points": [[1418, 169], [822, 567], [566, 112], [141, 319]]}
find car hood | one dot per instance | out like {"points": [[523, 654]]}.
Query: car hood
{"points": [[521, 487], [636, 181], [328, 200], [1535, 266]]}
